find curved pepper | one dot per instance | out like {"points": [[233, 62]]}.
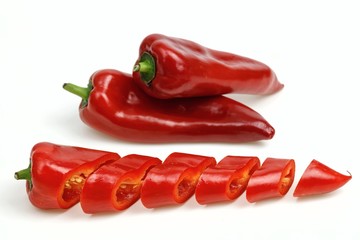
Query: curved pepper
{"points": [[116, 186], [57, 173], [227, 180], [273, 179], [170, 67], [113, 104], [319, 179], [174, 181]]}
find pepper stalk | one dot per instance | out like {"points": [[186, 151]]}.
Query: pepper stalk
{"points": [[24, 174], [82, 92], [146, 67]]}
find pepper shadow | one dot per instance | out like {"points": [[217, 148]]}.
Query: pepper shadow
{"points": [[318, 197]]}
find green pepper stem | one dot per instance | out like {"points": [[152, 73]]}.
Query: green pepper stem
{"points": [[143, 67], [24, 174], [79, 91], [136, 67], [146, 67]]}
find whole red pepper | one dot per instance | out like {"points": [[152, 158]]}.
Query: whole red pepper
{"points": [[273, 179], [113, 104], [227, 180], [170, 67], [319, 179], [116, 186], [174, 181], [57, 173]]}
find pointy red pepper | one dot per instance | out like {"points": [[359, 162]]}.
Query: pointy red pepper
{"points": [[174, 181], [57, 173], [227, 180], [319, 179], [170, 67], [113, 104], [116, 186], [273, 179]]}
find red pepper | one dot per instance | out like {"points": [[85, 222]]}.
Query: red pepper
{"points": [[113, 104], [227, 180], [116, 186], [273, 179], [57, 173], [170, 67], [174, 181], [319, 179]]}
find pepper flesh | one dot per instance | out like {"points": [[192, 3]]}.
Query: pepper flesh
{"points": [[170, 67], [319, 179], [57, 173], [273, 179], [113, 104], [174, 181], [227, 180], [116, 186]]}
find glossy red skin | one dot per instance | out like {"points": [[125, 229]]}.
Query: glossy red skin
{"points": [[100, 189], [187, 69], [162, 183], [265, 182], [116, 106], [319, 179], [215, 183], [52, 165]]}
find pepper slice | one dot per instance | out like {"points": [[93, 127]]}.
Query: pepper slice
{"points": [[170, 67], [57, 173], [227, 180], [319, 179], [113, 104], [273, 179], [174, 181], [116, 186]]}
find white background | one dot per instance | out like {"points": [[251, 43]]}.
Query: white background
{"points": [[313, 46]]}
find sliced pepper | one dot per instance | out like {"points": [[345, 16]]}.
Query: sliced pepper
{"points": [[319, 179], [273, 179], [174, 181], [57, 173], [227, 180], [116, 186]]}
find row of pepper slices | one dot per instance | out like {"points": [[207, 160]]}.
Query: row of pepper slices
{"points": [[102, 181], [175, 94]]}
